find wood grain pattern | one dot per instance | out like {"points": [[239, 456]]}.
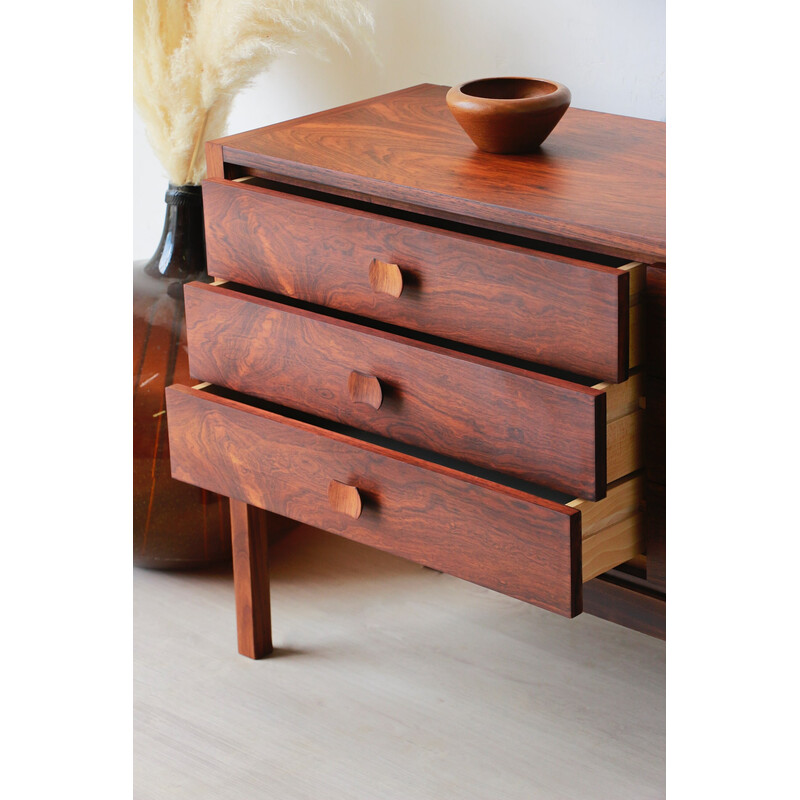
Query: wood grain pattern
{"points": [[623, 501], [542, 429], [249, 539], [508, 540], [613, 545], [624, 452], [612, 529], [552, 310], [623, 398], [597, 182]]}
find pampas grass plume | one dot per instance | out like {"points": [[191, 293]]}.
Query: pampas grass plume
{"points": [[191, 58]]}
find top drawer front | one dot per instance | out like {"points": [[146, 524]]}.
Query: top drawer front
{"points": [[551, 310]]}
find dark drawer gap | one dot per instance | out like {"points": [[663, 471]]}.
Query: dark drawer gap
{"points": [[459, 347], [254, 177]]}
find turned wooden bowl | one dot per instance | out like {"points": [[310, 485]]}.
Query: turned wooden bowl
{"points": [[508, 115]]}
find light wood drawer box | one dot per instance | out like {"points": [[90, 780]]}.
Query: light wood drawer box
{"points": [[553, 432], [550, 309], [524, 545]]}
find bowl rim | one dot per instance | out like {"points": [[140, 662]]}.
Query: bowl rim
{"points": [[559, 90]]}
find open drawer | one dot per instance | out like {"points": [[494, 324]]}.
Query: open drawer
{"points": [[568, 436], [508, 535], [564, 311]]}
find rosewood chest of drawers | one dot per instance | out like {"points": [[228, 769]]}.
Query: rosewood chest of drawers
{"points": [[453, 356]]}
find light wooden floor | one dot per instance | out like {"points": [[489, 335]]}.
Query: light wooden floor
{"points": [[390, 681]]}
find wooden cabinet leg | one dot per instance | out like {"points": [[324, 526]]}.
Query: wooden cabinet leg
{"points": [[251, 579]]}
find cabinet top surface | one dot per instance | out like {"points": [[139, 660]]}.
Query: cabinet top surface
{"points": [[597, 182]]}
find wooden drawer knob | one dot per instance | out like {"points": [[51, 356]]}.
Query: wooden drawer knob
{"points": [[385, 278], [344, 499], [365, 389]]}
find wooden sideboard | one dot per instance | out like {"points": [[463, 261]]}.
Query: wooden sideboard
{"points": [[452, 356]]}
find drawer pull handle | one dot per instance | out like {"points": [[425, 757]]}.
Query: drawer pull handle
{"points": [[344, 499], [365, 389], [385, 278]]}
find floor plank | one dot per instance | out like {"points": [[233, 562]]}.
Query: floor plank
{"points": [[388, 681]]}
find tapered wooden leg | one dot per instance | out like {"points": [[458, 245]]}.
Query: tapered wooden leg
{"points": [[251, 579]]}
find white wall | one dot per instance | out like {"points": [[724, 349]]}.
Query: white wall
{"points": [[610, 53]]}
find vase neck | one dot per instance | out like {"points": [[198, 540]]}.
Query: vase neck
{"points": [[181, 253], [183, 195]]}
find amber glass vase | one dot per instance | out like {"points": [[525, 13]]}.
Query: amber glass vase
{"points": [[175, 525]]}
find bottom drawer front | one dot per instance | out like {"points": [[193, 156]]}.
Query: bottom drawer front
{"points": [[493, 535]]}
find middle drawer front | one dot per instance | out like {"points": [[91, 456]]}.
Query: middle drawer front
{"points": [[541, 429], [567, 313]]}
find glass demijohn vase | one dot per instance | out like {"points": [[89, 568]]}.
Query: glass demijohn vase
{"points": [[175, 525]]}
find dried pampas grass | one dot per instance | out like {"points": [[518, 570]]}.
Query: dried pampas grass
{"points": [[191, 57]]}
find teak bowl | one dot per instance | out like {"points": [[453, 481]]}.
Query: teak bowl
{"points": [[508, 115]]}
